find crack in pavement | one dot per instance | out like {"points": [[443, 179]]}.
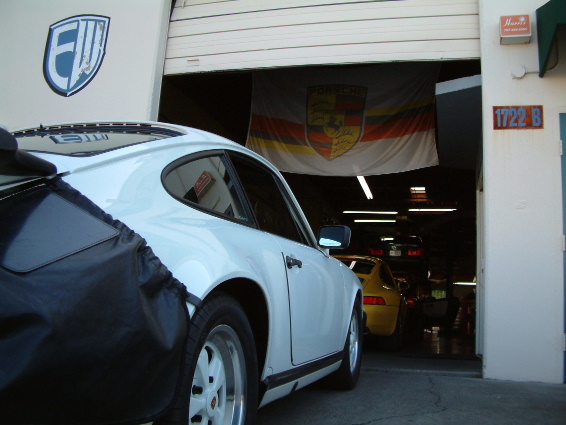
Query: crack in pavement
{"points": [[432, 391], [437, 404]]}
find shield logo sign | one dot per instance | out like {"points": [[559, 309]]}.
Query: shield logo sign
{"points": [[74, 52], [335, 116]]}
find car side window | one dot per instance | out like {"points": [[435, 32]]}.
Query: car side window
{"points": [[266, 200], [386, 276], [207, 183]]}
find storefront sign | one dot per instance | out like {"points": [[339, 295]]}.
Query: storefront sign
{"points": [[517, 117], [515, 29]]}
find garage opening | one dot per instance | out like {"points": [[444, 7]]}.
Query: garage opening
{"points": [[436, 204]]}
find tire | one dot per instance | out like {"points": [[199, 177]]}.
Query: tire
{"points": [[346, 377], [220, 386]]}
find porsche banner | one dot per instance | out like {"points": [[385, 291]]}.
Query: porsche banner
{"points": [[360, 121]]}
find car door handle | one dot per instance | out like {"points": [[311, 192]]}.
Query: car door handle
{"points": [[291, 262]]}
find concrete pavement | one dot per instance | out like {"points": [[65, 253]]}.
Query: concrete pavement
{"points": [[405, 389]]}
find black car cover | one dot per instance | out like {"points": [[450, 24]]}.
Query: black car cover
{"points": [[93, 326]]}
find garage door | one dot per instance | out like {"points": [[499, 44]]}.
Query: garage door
{"points": [[209, 35]]}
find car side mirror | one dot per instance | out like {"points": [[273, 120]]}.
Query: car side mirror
{"points": [[402, 285], [334, 237]]}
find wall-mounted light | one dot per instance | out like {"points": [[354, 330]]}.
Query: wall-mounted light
{"points": [[418, 189], [418, 194], [365, 187], [370, 220], [431, 209], [371, 212]]}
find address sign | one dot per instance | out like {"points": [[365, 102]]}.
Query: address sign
{"points": [[518, 117]]}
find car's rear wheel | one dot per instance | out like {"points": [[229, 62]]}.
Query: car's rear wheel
{"points": [[394, 342], [221, 386], [346, 377]]}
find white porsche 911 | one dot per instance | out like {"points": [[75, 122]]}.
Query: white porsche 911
{"points": [[153, 272]]}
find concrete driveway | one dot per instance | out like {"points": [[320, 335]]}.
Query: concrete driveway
{"points": [[410, 390]]}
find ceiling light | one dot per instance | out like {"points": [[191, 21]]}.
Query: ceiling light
{"points": [[369, 220], [465, 283], [371, 212], [418, 189], [365, 187], [431, 209]]}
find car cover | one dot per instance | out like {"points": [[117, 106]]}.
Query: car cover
{"points": [[93, 326]]}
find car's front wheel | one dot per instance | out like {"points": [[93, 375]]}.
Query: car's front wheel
{"points": [[221, 386], [346, 377]]}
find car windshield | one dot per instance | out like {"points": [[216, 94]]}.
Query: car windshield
{"points": [[86, 140]]}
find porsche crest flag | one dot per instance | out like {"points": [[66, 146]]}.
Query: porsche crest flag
{"points": [[359, 121]]}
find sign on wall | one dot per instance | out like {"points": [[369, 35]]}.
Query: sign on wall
{"points": [[518, 117], [77, 61], [74, 52], [515, 29]]}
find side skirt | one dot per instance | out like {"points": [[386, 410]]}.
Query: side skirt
{"points": [[285, 383]]}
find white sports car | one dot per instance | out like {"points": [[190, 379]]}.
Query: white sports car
{"points": [[234, 301]]}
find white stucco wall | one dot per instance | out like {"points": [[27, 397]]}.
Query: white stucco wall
{"points": [[523, 283], [127, 85]]}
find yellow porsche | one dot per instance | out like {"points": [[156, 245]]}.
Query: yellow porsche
{"points": [[384, 304]]}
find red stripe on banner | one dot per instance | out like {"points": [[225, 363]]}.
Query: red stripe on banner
{"points": [[357, 120], [319, 137], [277, 126], [350, 105], [399, 128], [326, 152]]}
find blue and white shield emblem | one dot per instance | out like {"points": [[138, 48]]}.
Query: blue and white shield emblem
{"points": [[74, 52]]}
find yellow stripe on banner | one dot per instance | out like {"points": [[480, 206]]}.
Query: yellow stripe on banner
{"points": [[274, 144], [392, 110]]}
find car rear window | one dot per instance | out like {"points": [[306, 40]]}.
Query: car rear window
{"points": [[86, 140], [359, 266]]}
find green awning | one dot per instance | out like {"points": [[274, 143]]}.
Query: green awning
{"points": [[551, 19]]}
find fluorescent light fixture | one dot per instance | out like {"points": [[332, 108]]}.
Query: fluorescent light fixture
{"points": [[371, 212], [369, 220], [465, 283], [431, 209], [365, 187], [418, 189]]}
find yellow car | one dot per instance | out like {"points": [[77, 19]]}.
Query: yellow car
{"points": [[384, 304]]}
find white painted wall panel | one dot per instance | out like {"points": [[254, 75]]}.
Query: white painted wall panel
{"points": [[190, 9], [522, 287], [325, 34], [249, 34]]}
